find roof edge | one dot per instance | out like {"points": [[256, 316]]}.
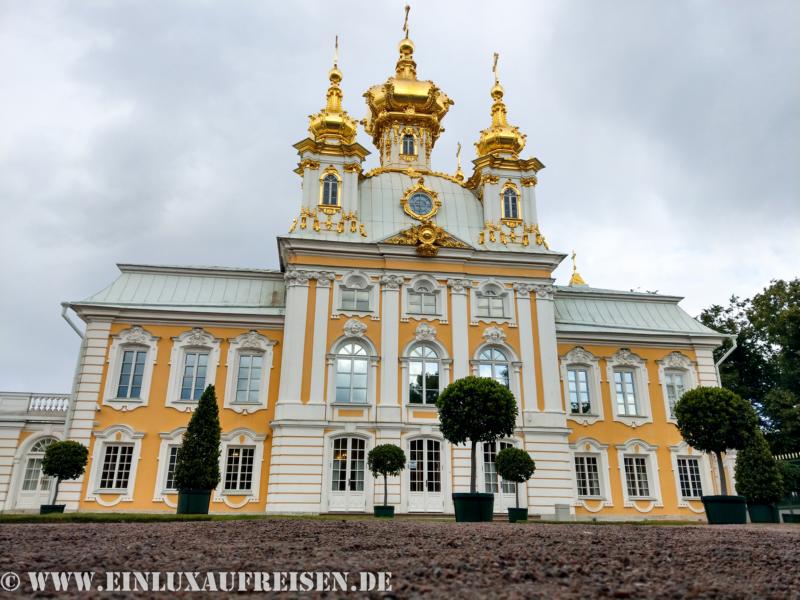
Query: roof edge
{"points": [[198, 270]]}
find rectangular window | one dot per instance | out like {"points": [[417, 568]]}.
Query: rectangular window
{"points": [[355, 299], [248, 380], [587, 475], [636, 477], [689, 477], [34, 478], [675, 389], [578, 384], [422, 303], [116, 467], [131, 373], [172, 458], [195, 365], [490, 305], [239, 468], [626, 393]]}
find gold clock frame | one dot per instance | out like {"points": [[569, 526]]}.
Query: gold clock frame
{"points": [[420, 187]]}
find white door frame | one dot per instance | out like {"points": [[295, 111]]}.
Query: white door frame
{"points": [[327, 468], [501, 501], [18, 470], [445, 450]]}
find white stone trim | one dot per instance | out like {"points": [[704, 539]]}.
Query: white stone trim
{"points": [[530, 401], [319, 344], [548, 350], [625, 359], [515, 366], [372, 376], [160, 492], [425, 336], [675, 361], [683, 450], [194, 339], [580, 357], [135, 338], [459, 288], [241, 436], [504, 292], [638, 447], [440, 290], [115, 434], [254, 343], [358, 280], [588, 446]]}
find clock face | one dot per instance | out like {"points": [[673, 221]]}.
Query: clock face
{"points": [[420, 203]]}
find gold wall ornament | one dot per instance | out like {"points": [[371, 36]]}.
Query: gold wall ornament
{"points": [[327, 222], [353, 167], [304, 164], [418, 188], [514, 232], [427, 237], [529, 181]]}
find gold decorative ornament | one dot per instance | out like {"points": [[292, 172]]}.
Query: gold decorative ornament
{"points": [[500, 138], [306, 163], [332, 125], [576, 278], [511, 232], [529, 181], [427, 237], [418, 198], [353, 167], [310, 217]]}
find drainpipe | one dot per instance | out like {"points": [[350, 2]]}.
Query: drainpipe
{"points": [[724, 357], [76, 376]]}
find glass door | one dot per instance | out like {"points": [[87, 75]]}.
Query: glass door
{"points": [[425, 476], [347, 475], [504, 496]]}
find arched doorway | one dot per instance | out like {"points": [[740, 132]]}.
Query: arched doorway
{"points": [[34, 488], [425, 475], [347, 466]]}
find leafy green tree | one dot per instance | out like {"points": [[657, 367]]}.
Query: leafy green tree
{"points": [[780, 411], [64, 460], [386, 459], [758, 477], [197, 462], [476, 409], [515, 464], [790, 473], [713, 419]]}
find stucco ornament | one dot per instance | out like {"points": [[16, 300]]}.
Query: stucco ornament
{"points": [[425, 333], [199, 337], [494, 335], [355, 328], [136, 335]]}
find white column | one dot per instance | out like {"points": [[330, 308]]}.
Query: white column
{"points": [[529, 401], [459, 319], [545, 310], [320, 345], [294, 337], [390, 321]]}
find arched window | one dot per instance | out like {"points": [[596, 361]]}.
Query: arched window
{"points": [[423, 375], [422, 300], [34, 479], [492, 362], [409, 145], [330, 190], [352, 364], [510, 204]]}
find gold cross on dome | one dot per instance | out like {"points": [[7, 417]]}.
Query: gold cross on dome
{"points": [[405, 21]]}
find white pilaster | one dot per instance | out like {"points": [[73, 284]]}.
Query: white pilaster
{"points": [[459, 317], [390, 320], [548, 350], [319, 347], [294, 336], [529, 400]]}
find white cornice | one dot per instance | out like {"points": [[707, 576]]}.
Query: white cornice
{"points": [[90, 312], [188, 270], [655, 339]]}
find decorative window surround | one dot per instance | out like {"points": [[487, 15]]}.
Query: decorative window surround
{"points": [[683, 450], [424, 335], [496, 337], [116, 434], [135, 338], [501, 291], [354, 331], [439, 290], [356, 280], [240, 437], [169, 440], [639, 448], [251, 342], [675, 361], [622, 360], [588, 446], [579, 357], [196, 339]]}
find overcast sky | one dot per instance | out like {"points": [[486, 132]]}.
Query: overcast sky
{"points": [[161, 132]]}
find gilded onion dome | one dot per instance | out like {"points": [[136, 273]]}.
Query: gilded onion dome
{"points": [[332, 124], [500, 137], [404, 99]]}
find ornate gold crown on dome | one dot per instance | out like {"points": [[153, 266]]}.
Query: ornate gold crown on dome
{"points": [[500, 137], [404, 98], [332, 124]]}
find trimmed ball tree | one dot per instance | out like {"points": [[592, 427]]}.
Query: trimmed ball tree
{"points": [[713, 419], [64, 460], [515, 464], [386, 459], [476, 409]]}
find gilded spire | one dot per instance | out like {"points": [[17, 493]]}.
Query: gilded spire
{"points": [[459, 172], [406, 68], [576, 278], [332, 124], [500, 137]]}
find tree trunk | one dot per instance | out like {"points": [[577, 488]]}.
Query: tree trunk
{"points": [[385, 490], [722, 481], [472, 464], [55, 492], [516, 492]]}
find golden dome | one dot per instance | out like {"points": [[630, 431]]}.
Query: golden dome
{"points": [[500, 138], [332, 124], [405, 99]]}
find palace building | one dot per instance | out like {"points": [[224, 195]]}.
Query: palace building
{"points": [[393, 282]]}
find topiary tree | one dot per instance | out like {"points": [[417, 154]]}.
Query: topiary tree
{"points": [[514, 464], [386, 459], [197, 462], [476, 409], [713, 419], [64, 460], [790, 473], [758, 477]]}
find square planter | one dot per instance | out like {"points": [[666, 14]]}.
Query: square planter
{"points": [[725, 510], [473, 508], [517, 514], [385, 512], [791, 518], [763, 513], [47, 509], [193, 502]]}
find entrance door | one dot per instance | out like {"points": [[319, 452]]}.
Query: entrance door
{"points": [[347, 475], [35, 488], [504, 496], [425, 476]]}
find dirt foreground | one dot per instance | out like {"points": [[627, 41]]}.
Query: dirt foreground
{"points": [[430, 559]]}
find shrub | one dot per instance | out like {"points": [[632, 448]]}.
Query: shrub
{"points": [[64, 460], [514, 464], [197, 462], [790, 473], [476, 409], [758, 477], [713, 419], [386, 459]]}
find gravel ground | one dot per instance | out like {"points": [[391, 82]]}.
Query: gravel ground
{"points": [[433, 559]]}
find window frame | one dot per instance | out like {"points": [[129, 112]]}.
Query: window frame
{"points": [[707, 481], [579, 358], [194, 340], [249, 343], [585, 456], [423, 361], [636, 447], [365, 358], [137, 339], [355, 280], [498, 291], [509, 220], [675, 363], [115, 434], [492, 363], [324, 178], [434, 288], [405, 135], [240, 437], [589, 446], [626, 361]]}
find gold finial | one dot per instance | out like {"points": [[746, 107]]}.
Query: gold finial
{"points": [[336, 53], [405, 21], [494, 68], [500, 137], [332, 122], [576, 278], [459, 172]]}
